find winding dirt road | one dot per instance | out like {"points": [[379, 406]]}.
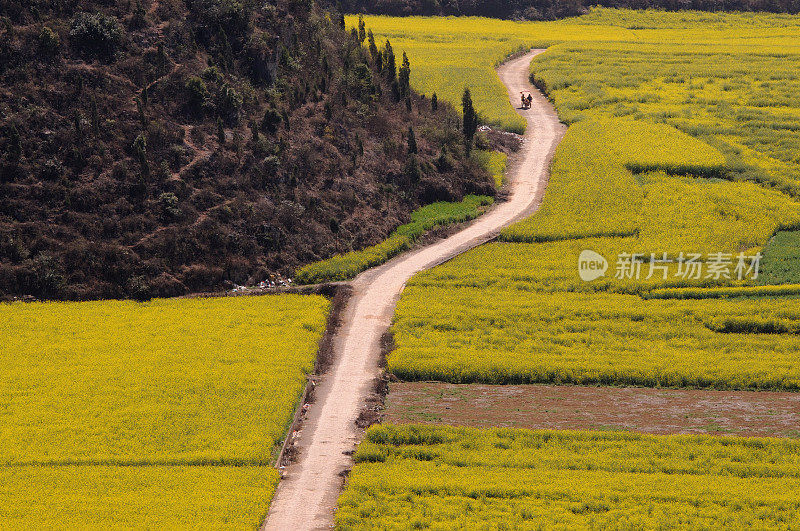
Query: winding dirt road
{"points": [[307, 494]]}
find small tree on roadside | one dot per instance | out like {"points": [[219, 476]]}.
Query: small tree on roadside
{"points": [[470, 125]]}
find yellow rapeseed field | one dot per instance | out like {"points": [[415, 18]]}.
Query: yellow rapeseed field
{"points": [[133, 497], [465, 478], [158, 414], [682, 140], [517, 313]]}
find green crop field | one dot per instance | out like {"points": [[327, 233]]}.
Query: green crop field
{"points": [[782, 258], [347, 266], [683, 139], [184, 399], [464, 478]]}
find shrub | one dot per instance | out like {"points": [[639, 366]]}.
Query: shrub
{"points": [[271, 122], [229, 102], [96, 34], [196, 94], [169, 206], [219, 16], [49, 42]]}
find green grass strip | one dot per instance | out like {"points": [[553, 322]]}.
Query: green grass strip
{"points": [[348, 265]]}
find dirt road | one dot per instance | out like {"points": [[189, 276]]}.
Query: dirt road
{"points": [[307, 495]]}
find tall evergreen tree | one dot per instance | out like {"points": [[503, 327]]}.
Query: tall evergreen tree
{"points": [[412, 141], [470, 119], [389, 62], [362, 32], [405, 77], [373, 48]]}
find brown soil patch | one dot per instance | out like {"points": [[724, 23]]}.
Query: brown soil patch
{"points": [[657, 411]]}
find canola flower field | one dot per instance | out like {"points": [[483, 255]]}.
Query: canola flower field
{"points": [[159, 414], [415, 476], [682, 139], [533, 321]]}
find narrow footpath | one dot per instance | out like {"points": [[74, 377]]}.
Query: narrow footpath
{"points": [[307, 494]]}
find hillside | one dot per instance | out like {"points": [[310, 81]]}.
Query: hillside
{"points": [[162, 147]]}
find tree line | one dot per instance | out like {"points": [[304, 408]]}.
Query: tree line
{"points": [[552, 9]]}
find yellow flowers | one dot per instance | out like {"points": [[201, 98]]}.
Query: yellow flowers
{"points": [[450, 478], [518, 313], [619, 177], [134, 497], [161, 387], [678, 133]]}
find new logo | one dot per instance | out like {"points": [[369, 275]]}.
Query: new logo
{"points": [[591, 265]]}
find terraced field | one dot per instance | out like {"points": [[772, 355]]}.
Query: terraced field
{"points": [[679, 170], [455, 478], [149, 415], [682, 143]]}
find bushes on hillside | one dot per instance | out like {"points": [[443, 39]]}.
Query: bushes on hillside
{"points": [[96, 34]]}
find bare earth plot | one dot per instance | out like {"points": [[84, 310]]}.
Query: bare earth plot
{"points": [[656, 411]]}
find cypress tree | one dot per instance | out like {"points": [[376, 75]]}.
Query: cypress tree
{"points": [[362, 33], [389, 63], [470, 120], [140, 145], [254, 130], [373, 48], [405, 76], [76, 122], [95, 118], [412, 141]]}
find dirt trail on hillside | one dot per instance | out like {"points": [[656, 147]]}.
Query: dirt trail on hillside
{"points": [[307, 495]]}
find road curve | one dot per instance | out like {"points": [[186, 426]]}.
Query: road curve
{"points": [[307, 494]]}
